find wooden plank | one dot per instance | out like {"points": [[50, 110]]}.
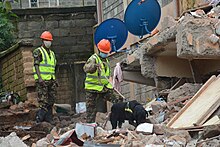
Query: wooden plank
{"points": [[195, 97], [178, 100], [214, 120], [209, 112]]}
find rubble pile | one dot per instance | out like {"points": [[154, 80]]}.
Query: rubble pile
{"points": [[70, 129]]}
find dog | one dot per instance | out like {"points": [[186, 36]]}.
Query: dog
{"points": [[132, 111]]}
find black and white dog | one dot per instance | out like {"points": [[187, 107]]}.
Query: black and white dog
{"points": [[132, 111]]}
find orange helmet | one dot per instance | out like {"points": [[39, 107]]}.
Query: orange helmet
{"points": [[46, 35], [104, 46]]}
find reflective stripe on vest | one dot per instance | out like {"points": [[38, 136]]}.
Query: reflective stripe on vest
{"points": [[46, 66], [95, 81]]}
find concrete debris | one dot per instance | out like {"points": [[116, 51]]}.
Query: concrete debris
{"points": [[12, 140], [210, 131], [158, 129], [181, 133], [168, 22], [217, 28], [188, 89], [199, 29], [145, 128], [213, 39], [198, 13], [158, 106]]}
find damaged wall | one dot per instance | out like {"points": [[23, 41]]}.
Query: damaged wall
{"points": [[197, 38], [73, 42]]}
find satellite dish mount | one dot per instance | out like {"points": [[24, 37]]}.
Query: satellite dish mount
{"points": [[143, 25], [113, 41]]}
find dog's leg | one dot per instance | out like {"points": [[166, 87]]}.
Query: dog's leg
{"points": [[119, 124], [114, 124]]}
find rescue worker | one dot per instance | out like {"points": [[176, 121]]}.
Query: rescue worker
{"points": [[97, 86], [44, 75]]}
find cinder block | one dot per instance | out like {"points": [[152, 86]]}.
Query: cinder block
{"points": [[51, 24], [66, 23], [28, 65], [29, 82], [28, 71]]}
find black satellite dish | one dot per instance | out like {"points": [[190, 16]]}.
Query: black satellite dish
{"points": [[142, 16], [114, 30]]}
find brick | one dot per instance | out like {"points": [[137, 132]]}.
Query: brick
{"points": [[153, 40], [189, 38]]}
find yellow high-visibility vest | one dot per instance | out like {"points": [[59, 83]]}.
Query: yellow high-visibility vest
{"points": [[47, 65], [95, 81]]}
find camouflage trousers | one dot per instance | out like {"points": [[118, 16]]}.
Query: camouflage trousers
{"points": [[91, 102], [46, 93]]}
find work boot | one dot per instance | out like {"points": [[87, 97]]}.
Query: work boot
{"points": [[49, 115], [40, 115]]}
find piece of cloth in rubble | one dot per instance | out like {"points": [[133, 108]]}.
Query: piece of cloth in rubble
{"points": [[117, 77], [68, 137]]}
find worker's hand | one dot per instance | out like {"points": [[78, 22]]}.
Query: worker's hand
{"points": [[98, 66]]}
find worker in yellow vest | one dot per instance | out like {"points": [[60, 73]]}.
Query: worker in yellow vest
{"points": [[97, 85], [44, 75]]}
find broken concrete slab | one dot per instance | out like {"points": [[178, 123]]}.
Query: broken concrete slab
{"points": [[186, 90], [145, 128], [158, 129], [210, 131], [199, 46], [11, 141], [158, 106], [167, 22], [181, 133]]}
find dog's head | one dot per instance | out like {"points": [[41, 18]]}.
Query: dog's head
{"points": [[140, 114]]}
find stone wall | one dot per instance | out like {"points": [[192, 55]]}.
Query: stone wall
{"points": [[72, 41]]}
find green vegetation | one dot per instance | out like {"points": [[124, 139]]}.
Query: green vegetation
{"points": [[7, 37]]}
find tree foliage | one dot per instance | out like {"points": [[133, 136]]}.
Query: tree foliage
{"points": [[6, 26]]}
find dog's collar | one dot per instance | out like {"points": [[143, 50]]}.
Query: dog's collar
{"points": [[128, 109]]}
